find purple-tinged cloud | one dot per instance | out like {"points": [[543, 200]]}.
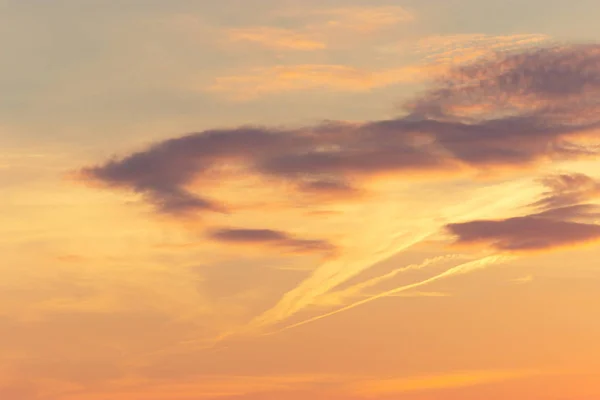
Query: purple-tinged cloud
{"points": [[560, 221], [271, 238], [567, 190], [512, 110], [527, 233], [544, 80], [576, 212]]}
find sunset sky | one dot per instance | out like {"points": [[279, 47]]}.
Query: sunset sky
{"points": [[300, 199]]}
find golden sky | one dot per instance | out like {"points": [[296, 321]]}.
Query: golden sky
{"points": [[285, 199]]}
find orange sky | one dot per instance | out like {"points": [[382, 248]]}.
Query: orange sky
{"points": [[267, 199]]}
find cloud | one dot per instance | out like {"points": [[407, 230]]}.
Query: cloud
{"points": [[457, 49], [383, 387], [568, 190], [457, 270], [510, 111], [271, 238], [365, 19], [524, 233], [341, 296], [204, 387], [555, 83], [437, 60], [522, 280], [304, 77], [561, 221], [321, 28], [276, 38], [162, 171], [542, 108]]}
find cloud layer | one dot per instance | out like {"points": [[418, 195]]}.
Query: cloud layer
{"points": [[510, 111]]}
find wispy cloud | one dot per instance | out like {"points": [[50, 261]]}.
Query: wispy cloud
{"points": [[342, 296], [457, 270], [304, 77], [365, 19], [457, 49], [320, 28], [523, 280], [439, 53], [386, 387], [205, 387], [271, 238], [276, 38]]}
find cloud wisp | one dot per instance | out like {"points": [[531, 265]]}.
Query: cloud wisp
{"points": [[276, 79], [276, 38], [278, 240], [459, 269]]}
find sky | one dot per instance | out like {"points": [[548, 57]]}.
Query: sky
{"points": [[291, 199]]}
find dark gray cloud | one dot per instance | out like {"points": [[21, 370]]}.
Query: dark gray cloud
{"points": [[560, 219], [515, 109], [271, 238]]}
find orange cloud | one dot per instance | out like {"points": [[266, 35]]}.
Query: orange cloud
{"points": [[204, 387], [386, 387], [276, 38], [284, 78], [366, 19]]}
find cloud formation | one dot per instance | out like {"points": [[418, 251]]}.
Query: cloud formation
{"points": [[271, 238], [524, 233], [514, 110], [560, 221]]}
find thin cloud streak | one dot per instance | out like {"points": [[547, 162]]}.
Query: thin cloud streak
{"points": [[271, 238], [386, 387], [341, 296], [276, 38], [459, 269], [262, 81]]}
